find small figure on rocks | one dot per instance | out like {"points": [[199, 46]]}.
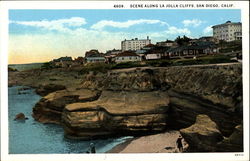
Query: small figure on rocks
{"points": [[179, 144], [91, 148], [237, 56]]}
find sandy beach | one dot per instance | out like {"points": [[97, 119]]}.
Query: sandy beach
{"points": [[157, 143]]}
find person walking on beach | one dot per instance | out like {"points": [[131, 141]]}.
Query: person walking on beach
{"points": [[179, 144], [91, 148]]}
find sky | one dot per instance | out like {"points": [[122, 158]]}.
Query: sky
{"points": [[43, 35]]}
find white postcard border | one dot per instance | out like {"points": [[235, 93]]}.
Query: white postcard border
{"points": [[5, 6]]}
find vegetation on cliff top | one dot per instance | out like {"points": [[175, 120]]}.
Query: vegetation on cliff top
{"points": [[210, 59], [226, 47]]}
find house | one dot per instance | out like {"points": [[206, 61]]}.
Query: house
{"points": [[141, 53], [196, 49], [93, 56], [127, 56], [153, 56], [63, 62], [167, 43], [78, 61], [156, 52], [111, 54], [192, 41], [208, 38], [148, 47]]}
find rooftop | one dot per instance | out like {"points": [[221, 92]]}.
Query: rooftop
{"points": [[150, 45], [227, 23], [136, 39], [126, 53]]}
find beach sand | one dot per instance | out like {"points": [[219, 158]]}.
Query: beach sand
{"points": [[158, 143]]}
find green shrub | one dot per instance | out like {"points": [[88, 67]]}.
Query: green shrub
{"points": [[210, 59], [128, 65], [230, 46], [95, 67], [159, 63], [186, 61]]}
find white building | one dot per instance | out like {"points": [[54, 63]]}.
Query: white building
{"points": [[134, 44], [93, 56], [153, 56], [228, 31], [126, 57]]}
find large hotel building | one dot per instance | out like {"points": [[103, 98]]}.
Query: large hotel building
{"points": [[228, 31], [134, 44]]}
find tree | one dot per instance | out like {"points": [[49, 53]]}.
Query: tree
{"points": [[182, 41]]}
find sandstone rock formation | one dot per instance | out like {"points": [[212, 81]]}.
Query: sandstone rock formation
{"points": [[218, 84], [117, 113], [43, 90], [184, 109], [202, 136], [50, 107], [234, 143], [212, 90], [144, 100]]}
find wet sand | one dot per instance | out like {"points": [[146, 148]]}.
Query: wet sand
{"points": [[158, 143]]}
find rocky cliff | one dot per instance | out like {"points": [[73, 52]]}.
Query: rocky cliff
{"points": [[220, 84], [147, 100], [214, 90]]}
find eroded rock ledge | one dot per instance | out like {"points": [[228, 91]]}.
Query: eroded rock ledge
{"points": [[147, 100], [49, 108], [117, 113]]}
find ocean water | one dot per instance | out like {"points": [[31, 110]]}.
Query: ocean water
{"points": [[32, 137], [23, 67]]}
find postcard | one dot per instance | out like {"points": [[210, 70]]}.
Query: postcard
{"points": [[124, 80]]}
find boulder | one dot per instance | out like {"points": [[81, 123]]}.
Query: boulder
{"points": [[117, 113], [184, 109], [234, 143], [20, 117], [202, 136]]}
